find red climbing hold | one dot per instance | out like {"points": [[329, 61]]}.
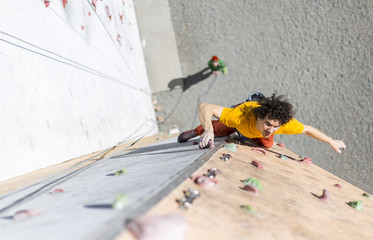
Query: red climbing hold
{"points": [[94, 2], [325, 195], [307, 160], [281, 145], [89, 13], [257, 164], [251, 188], [260, 150], [205, 181], [64, 2], [121, 18], [57, 190], [47, 2], [108, 13], [82, 27], [25, 214], [338, 185], [119, 39]]}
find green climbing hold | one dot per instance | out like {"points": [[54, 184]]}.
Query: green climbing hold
{"points": [[248, 208], [366, 195], [231, 147], [120, 202], [356, 204], [120, 172], [254, 182]]}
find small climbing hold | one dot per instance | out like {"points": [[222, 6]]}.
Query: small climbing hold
{"points": [[283, 157], [189, 196], [47, 2], [64, 2], [250, 188], [307, 160], [94, 2], [120, 172], [366, 195], [260, 150], [281, 145], [257, 164], [160, 119], [119, 39], [171, 226], [195, 143], [338, 185], [120, 202], [121, 17], [225, 157], [82, 27], [253, 182], [108, 12], [252, 185], [231, 147], [205, 181], [212, 172], [158, 138], [325, 195], [25, 214], [248, 208], [89, 13], [358, 205], [57, 190]]}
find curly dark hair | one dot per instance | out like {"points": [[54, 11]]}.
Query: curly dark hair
{"points": [[274, 107]]}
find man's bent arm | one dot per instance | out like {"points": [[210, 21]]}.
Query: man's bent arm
{"points": [[206, 112], [337, 145]]}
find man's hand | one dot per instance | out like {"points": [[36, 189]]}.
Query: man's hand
{"points": [[337, 145], [205, 138]]}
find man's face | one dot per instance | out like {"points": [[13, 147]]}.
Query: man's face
{"points": [[267, 127], [215, 63]]}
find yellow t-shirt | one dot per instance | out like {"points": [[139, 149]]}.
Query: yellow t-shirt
{"points": [[242, 118]]}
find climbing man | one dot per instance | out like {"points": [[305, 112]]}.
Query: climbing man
{"points": [[216, 65], [258, 120]]}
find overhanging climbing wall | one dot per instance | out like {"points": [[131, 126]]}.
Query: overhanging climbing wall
{"points": [[73, 81]]}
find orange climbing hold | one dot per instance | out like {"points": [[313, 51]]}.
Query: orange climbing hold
{"points": [[64, 2], [47, 2]]}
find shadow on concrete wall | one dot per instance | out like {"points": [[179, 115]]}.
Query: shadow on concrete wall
{"points": [[187, 82]]}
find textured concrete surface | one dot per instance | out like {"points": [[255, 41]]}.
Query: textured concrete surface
{"points": [[159, 43], [83, 210], [319, 53]]}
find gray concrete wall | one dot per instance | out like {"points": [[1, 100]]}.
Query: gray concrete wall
{"points": [[319, 53], [159, 44]]}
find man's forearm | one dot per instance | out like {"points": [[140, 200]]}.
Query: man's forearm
{"points": [[317, 134], [337, 145]]}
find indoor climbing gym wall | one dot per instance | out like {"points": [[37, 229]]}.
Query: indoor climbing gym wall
{"points": [[73, 81]]}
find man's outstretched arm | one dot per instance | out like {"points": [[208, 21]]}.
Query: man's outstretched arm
{"points": [[337, 145], [206, 112]]}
